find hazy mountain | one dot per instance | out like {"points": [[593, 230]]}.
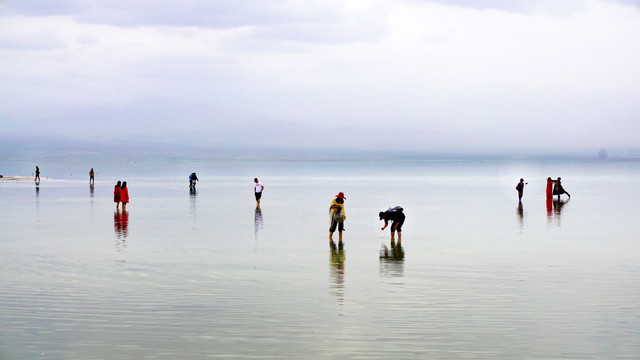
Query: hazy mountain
{"points": [[161, 124]]}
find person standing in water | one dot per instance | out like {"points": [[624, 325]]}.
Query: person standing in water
{"points": [[124, 195], [396, 215], [338, 216], [257, 190], [192, 180], [558, 189], [37, 177], [91, 176], [116, 195], [520, 188], [550, 188]]}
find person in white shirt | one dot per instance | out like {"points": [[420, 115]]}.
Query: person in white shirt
{"points": [[257, 189]]}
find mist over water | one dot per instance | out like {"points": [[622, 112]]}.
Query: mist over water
{"points": [[203, 274]]}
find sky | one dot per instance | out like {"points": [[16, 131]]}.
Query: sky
{"points": [[475, 68]]}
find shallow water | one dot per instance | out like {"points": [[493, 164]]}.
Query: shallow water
{"points": [[205, 275]]}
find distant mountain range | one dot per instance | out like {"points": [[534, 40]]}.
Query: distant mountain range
{"points": [[170, 127]]}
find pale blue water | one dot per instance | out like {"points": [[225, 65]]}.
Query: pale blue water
{"points": [[205, 276]]}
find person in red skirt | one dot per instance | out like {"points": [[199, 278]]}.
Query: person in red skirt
{"points": [[116, 195], [124, 195]]}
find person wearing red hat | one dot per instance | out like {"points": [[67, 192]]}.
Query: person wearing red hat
{"points": [[338, 216]]}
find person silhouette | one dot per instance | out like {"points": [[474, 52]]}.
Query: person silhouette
{"points": [[520, 188], [192, 180], [396, 215], [558, 189]]}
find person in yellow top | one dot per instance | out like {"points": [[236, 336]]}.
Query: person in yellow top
{"points": [[337, 216]]}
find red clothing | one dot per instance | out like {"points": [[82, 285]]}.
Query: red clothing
{"points": [[124, 195], [550, 188], [116, 194]]}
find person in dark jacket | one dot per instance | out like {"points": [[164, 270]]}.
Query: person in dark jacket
{"points": [[192, 180], [559, 190], [395, 214], [520, 189]]}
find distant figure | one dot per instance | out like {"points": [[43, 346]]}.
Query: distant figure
{"points": [[91, 174], [559, 190], [395, 214], [550, 188], [338, 216], [192, 180], [116, 195], [520, 188], [37, 178], [124, 196], [257, 190]]}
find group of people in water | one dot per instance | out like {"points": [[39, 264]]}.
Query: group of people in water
{"points": [[121, 195], [337, 216], [337, 213], [554, 187]]}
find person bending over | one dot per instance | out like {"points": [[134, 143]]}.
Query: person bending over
{"points": [[395, 214]]}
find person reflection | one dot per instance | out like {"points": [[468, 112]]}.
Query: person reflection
{"points": [[557, 208], [91, 190], [257, 221], [192, 202], [337, 256], [392, 259], [520, 214], [121, 224]]}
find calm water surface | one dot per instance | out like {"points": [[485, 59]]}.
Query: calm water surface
{"points": [[207, 275]]}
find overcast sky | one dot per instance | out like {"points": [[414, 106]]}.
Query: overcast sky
{"points": [[569, 66]]}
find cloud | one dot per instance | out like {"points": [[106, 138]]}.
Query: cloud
{"points": [[431, 65], [519, 6], [31, 39], [195, 13]]}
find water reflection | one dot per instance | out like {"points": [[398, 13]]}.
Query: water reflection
{"points": [[38, 205], [337, 257], [257, 222], [192, 202], [91, 189], [121, 224], [521, 215], [557, 208], [554, 210], [392, 260]]}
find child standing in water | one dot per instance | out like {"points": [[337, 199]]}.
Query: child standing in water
{"points": [[338, 216]]}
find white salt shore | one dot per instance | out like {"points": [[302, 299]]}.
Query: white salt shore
{"points": [[18, 178]]}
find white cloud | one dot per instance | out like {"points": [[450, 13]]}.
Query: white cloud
{"points": [[424, 64]]}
